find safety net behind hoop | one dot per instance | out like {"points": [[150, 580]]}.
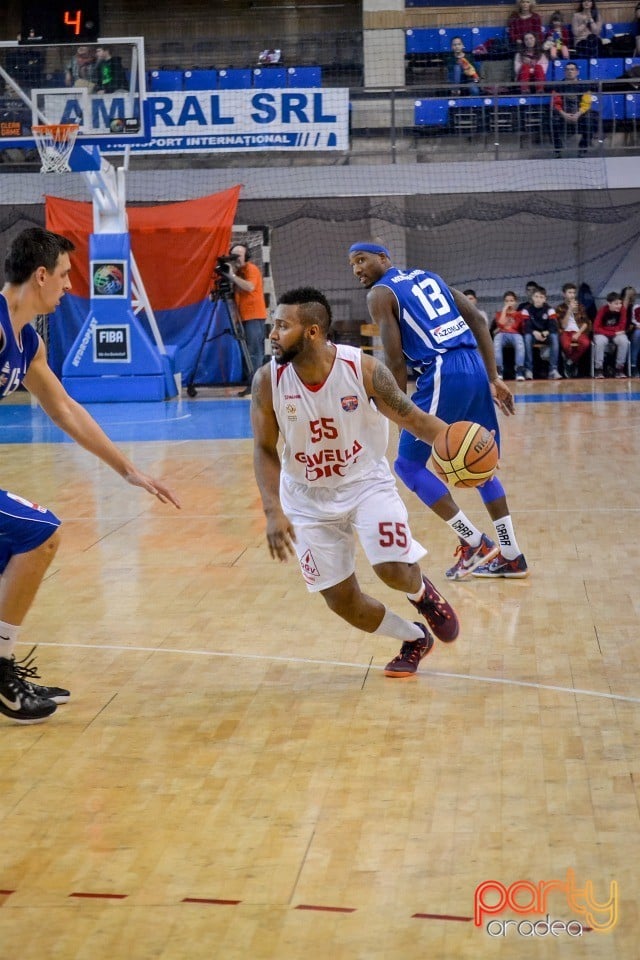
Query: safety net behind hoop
{"points": [[55, 141]]}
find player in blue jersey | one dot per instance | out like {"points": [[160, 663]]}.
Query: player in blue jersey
{"points": [[37, 270], [442, 335]]}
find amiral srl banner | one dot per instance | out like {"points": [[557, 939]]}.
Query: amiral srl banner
{"points": [[228, 120]]}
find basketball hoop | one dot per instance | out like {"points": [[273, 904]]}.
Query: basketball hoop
{"points": [[55, 141]]}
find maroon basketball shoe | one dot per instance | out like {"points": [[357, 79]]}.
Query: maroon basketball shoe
{"points": [[411, 653], [440, 615]]}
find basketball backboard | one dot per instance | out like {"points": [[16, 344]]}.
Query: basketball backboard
{"points": [[101, 86]]}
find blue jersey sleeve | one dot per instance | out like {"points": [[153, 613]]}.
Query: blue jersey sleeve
{"points": [[430, 322]]}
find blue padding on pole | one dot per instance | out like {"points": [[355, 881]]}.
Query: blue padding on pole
{"points": [[84, 157]]}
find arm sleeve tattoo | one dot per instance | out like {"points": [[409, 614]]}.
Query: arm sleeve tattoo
{"points": [[387, 390]]}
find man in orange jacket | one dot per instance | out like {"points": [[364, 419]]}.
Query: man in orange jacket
{"points": [[250, 304]]}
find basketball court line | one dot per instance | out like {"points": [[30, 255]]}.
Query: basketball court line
{"points": [[269, 658], [257, 511], [195, 419], [577, 397]]}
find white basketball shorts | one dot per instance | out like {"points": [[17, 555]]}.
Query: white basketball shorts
{"points": [[327, 520]]}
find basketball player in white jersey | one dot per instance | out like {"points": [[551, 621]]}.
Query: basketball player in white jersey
{"points": [[329, 402]]}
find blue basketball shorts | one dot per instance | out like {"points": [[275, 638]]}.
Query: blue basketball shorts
{"points": [[454, 387], [23, 526]]}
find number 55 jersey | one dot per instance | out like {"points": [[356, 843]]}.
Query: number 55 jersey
{"points": [[333, 434]]}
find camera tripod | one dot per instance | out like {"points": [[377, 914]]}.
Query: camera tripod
{"points": [[235, 330]]}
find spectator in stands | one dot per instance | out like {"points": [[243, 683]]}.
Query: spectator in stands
{"points": [[530, 287], [571, 111], [632, 74], [575, 328], [609, 332], [269, 58], [557, 39], [508, 333], [461, 69], [540, 328], [471, 295], [81, 70], [636, 29], [111, 75], [24, 64], [633, 326], [586, 27], [523, 20], [530, 65], [587, 300]]}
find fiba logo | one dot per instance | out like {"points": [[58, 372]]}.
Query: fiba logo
{"points": [[108, 280]]}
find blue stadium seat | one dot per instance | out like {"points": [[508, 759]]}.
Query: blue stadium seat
{"points": [[423, 40], [631, 62], [304, 76], [235, 78], [448, 33], [612, 106], [611, 30], [470, 101], [632, 106], [431, 113], [165, 80], [482, 35], [523, 100], [266, 78], [201, 80], [605, 69]]}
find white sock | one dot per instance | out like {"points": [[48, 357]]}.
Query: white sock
{"points": [[462, 526], [506, 538], [400, 629], [419, 595], [8, 638]]}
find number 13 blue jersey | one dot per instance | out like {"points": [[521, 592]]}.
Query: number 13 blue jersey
{"points": [[430, 322]]}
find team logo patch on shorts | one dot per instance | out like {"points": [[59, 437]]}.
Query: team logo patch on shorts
{"points": [[349, 404], [308, 566], [26, 503]]}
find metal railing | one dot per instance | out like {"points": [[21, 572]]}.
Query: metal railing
{"points": [[425, 124]]}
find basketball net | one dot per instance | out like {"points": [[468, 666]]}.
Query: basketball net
{"points": [[55, 141]]}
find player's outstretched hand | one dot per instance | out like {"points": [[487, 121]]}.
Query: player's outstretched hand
{"points": [[280, 537], [154, 487], [503, 396]]}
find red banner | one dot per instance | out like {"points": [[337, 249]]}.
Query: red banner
{"points": [[175, 245]]}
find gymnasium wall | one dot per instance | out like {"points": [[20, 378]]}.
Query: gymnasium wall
{"points": [[486, 242]]}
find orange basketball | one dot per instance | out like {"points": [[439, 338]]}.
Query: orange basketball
{"points": [[465, 454]]}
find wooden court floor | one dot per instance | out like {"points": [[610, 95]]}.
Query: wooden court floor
{"points": [[234, 777]]}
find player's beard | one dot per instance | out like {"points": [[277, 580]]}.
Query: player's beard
{"points": [[289, 355]]}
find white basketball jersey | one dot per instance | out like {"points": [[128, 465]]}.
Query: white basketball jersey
{"points": [[333, 434]]}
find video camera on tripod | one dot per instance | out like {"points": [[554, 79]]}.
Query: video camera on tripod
{"points": [[221, 296], [222, 284]]}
